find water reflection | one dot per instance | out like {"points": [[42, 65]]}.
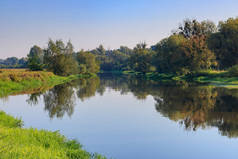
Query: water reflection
{"points": [[193, 107]]}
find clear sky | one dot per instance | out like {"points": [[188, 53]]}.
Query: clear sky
{"points": [[88, 23]]}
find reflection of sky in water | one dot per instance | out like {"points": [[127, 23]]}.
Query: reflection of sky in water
{"points": [[121, 126]]}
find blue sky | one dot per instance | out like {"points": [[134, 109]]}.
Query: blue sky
{"points": [[88, 23]]}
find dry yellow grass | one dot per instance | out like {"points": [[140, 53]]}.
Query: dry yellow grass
{"points": [[18, 81], [17, 75]]}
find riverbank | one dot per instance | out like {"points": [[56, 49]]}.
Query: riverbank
{"points": [[212, 77], [17, 142], [20, 81]]}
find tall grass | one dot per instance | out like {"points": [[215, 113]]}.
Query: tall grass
{"points": [[19, 143], [17, 81]]}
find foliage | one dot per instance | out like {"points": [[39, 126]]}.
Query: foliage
{"points": [[87, 60], [187, 50], [13, 62], [59, 58], [35, 59], [112, 60], [141, 59], [193, 28], [194, 46], [198, 55], [225, 43], [169, 56]]}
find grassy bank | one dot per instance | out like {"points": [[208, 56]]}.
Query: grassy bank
{"points": [[18, 81], [19, 143], [220, 78]]}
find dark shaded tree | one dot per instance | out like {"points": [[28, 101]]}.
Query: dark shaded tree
{"points": [[225, 43]]}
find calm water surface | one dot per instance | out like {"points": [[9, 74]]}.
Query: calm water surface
{"points": [[126, 118]]}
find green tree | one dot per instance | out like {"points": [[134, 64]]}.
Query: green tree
{"points": [[169, 55], [141, 59], [59, 58], [186, 50], [11, 61], [101, 50], [35, 59], [89, 61], [225, 43]]}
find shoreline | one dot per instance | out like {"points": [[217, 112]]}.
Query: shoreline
{"points": [[25, 82], [19, 142], [211, 77]]}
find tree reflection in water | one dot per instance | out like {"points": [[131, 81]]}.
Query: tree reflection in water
{"points": [[60, 100], [193, 107]]}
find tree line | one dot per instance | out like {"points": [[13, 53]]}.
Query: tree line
{"points": [[13, 62], [193, 46], [61, 59]]}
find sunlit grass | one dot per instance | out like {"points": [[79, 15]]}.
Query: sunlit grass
{"points": [[19, 143], [17, 81]]}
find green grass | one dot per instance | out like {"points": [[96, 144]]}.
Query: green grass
{"points": [[19, 143], [23, 81]]}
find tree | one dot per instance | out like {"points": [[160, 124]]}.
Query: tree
{"points": [[125, 50], [192, 28], [11, 61], [35, 59], [141, 60], [88, 60], [169, 57], [101, 50], [198, 54], [177, 54], [23, 62], [186, 50], [225, 43], [59, 58]]}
